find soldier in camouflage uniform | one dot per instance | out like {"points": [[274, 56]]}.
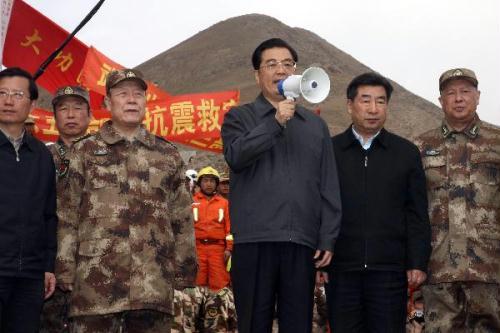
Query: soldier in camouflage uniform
{"points": [[187, 306], [320, 310], [126, 237], [219, 311], [462, 164], [71, 106]]}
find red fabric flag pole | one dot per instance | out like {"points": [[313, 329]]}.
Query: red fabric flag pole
{"points": [[54, 54]]}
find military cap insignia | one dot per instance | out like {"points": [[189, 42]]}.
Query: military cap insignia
{"points": [[68, 91], [130, 74], [432, 152], [457, 72], [101, 152]]}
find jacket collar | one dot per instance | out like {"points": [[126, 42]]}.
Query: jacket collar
{"points": [[263, 107], [472, 130], [201, 196], [27, 140], [110, 136], [61, 147], [348, 139]]}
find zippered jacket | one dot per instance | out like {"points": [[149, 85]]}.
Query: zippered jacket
{"points": [[28, 219], [284, 185], [385, 224]]}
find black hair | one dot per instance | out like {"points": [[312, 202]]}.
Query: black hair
{"points": [[16, 71], [368, 79], [217, 180], [269, 44]]}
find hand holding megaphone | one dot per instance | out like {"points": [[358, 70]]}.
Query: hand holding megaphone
{"points": [[313, 85], [285, 111]]}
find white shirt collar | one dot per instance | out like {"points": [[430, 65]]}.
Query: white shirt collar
{"points": [[365, 144]]}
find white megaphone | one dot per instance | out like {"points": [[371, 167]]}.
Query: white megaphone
{"points": [[313, 85]]}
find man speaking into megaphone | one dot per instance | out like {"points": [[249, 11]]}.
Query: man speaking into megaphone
{"points": [[284, 201]]}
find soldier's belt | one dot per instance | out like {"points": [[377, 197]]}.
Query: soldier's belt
{"points": [[210, 241]]}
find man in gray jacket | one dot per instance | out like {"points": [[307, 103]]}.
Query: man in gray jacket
{"points": [[284, 201]]}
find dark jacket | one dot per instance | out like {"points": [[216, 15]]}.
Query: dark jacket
{"points": [[284, 183], [28, 218], [385, 225]]}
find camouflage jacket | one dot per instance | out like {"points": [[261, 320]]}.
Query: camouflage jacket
{"points": [[126, 236], [463, 184]]}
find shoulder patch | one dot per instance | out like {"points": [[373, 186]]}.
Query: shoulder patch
{"points": [[83, 137], [165, 140]]}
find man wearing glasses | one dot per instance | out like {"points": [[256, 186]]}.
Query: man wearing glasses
{"points": [[285, 202], [28, 218]]}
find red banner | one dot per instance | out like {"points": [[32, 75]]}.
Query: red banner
{"points": [[32, 37], [194, 120], [96, 68]]}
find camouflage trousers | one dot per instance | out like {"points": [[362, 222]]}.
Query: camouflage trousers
{"points": [[54, 318], [320, 311], [203, 310], [462, 307], [187, 305], [136, 321]]}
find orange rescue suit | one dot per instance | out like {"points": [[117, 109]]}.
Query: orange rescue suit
{"points": [[212, 227]]}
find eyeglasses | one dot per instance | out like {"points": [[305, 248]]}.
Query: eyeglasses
{"points": [[17, 95], [288, 65]]}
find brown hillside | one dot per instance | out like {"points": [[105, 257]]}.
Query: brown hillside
{"points": [[218, 58]]}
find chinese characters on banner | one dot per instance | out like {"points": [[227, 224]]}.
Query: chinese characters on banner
{"points": [[194, 120], [29, 42]]}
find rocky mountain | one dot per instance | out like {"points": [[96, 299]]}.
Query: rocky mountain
{"points": [[218, 58]]}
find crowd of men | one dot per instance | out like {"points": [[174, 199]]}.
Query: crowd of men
{"points": [[101, 232]]}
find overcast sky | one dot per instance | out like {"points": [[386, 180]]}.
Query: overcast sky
{"points": [[410, 41]]}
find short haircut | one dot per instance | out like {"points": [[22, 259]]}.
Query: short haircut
{"points": [[368, 79], [16, 71], [269, 44]]}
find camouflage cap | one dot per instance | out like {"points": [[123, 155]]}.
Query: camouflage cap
{"points": [[120, 75], [457, 73], [224, 177], [74, 91]]}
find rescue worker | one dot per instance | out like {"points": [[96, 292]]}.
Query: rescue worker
{"points": [[223, 188], [211, 225], [71, 107], [190, 180], [214, 246], [126, 237]]}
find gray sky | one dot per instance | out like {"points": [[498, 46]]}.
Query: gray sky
{"points": [[410, 41]]}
